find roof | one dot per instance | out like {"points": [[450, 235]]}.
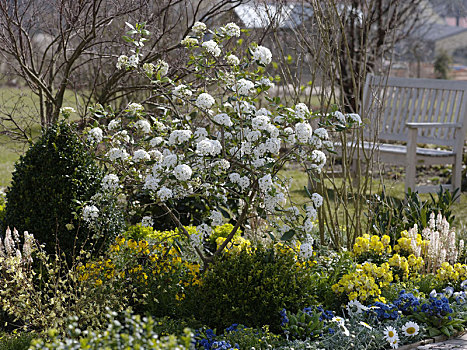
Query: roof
{"points": [[263, 15], [436, 31]]}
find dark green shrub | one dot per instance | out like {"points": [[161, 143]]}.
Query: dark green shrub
{"points": [[19, 341], [251, 288], [54, 175]]}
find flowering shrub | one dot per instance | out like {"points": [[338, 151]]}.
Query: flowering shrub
{"points": [[208, 138], [156, 272]]}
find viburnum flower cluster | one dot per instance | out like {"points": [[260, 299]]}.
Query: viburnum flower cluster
{"points": [[211, 140]]}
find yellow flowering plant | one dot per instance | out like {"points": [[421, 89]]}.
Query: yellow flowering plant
{"points": [[365, 283], [155, 271], [374, 248]]}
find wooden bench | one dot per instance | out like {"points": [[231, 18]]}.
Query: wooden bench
{"points": [[405, 112]]}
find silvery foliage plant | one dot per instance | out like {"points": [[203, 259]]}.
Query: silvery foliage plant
{"points": [[206, 135]]}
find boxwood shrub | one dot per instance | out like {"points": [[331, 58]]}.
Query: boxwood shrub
{"points": [[48, 181]]}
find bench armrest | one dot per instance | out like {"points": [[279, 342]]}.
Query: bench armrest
{"points": [[433, 125]]}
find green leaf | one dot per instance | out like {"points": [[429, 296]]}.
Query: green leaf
{"points": [[288, 235]]}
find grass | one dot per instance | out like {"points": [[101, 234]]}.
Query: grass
{"points": [[394, 188]]}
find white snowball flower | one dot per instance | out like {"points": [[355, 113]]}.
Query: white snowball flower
{"points": [[262, 55], [311, 213], [122, 62], [143, 125], [95, 135], [321, 133], [183, 172], [317, 199], [340, 117], [164, 193], [134, 108], [205, 101], [244, 86], [273, 145], [303, 132], [204, 230], [147, 221], [110, 182], [302, 111], [67, 110], [114, 124], [244, 182], [169, 160], [318, 158], [265, 183], [151, 182], [212, 47], [117, 153], [267, 82], [199, 28], [355, 118], [232, 60], [306, 249], [200, 134], [231, 29], [133, 61], [156, 141], [162, 67], [90, 212], [223, 119], [208, 147], [260, 122], [216, 217], [155, 155], [177, 137], [141, 155], [189, 41], [182, 91], [234, 177], [262, 111]]}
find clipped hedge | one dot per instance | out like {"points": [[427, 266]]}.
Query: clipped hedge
{"points": [[55, 173]]}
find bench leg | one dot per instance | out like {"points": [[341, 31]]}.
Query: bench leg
{"points": [[456, 179]]}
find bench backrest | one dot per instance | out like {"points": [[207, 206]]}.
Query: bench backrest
{"points": [[391, 102]]}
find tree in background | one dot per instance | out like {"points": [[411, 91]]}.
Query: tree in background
{"points": [[65, 45]]}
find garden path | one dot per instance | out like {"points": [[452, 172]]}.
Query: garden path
{"points": [[459, 343]]}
